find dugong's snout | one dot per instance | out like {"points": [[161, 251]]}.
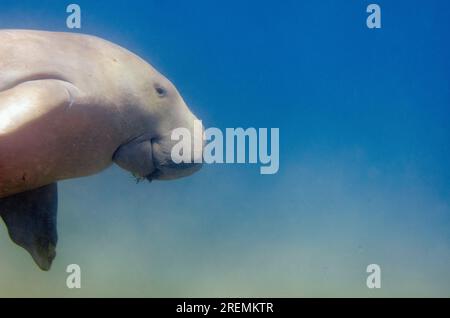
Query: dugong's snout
{"points": [[174, 159], [162, 157], [172, 144]]}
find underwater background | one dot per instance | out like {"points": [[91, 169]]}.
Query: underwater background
{"points": [[364, 155]]}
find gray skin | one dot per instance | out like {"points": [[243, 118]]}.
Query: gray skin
{"points": [[70, 106]]}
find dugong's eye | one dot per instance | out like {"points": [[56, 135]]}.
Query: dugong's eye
{"points": [[160, 91]]}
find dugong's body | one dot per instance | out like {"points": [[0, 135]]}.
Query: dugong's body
{"points": [[70, 111], [70, 105]]}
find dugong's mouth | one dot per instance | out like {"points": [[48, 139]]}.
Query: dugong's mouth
{"points": [[164, 167], [153, 175], [150, 158], [170, 171]]}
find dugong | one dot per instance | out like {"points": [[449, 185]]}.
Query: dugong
{"points": [[71, 105]]}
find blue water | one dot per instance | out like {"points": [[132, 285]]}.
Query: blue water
{"points": [[364, 155]]}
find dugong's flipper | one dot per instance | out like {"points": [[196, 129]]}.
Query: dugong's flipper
{"points": [[31, 220]]}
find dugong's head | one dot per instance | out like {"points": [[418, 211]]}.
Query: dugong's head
{"points": [[168, 122]]}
